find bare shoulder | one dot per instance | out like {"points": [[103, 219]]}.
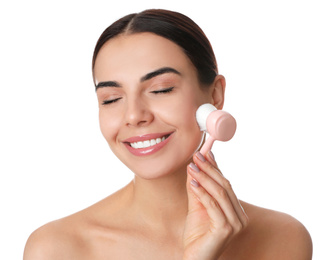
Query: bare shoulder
{"points": [[277, 235], [79, 235], [56, 240]]}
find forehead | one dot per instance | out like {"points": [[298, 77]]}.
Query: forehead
{"points": [[135, 55]]}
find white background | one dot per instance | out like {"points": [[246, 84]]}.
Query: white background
{"points": [[279, 61]]}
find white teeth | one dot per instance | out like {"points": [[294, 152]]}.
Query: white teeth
{"points": [[139, 145], [147, 143]]}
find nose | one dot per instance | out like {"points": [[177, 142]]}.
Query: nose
{"points": [[138, 113]]}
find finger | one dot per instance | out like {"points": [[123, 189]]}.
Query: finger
{"points": [[219, 194], [208, 162], [193, 202], [210, 157], [216, 175], [213, 209]]}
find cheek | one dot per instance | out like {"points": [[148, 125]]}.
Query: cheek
{"points": [[180, 114], [178, 111], [108, 125]]}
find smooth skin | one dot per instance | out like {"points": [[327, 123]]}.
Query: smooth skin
{"points": [[179, 205]]}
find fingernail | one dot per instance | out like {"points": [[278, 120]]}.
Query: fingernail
{"points": [[194, 183], [194, 167], [200, 157], [211, 155]]}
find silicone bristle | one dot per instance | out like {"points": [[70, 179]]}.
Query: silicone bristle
{"points": [[202, 115]]}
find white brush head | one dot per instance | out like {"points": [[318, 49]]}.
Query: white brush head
{"points": [[202, 115]]}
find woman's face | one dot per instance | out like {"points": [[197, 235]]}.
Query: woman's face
{"points": [[148, 93]]}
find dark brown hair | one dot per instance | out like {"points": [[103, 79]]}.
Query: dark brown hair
{"points": [[173, 26]]}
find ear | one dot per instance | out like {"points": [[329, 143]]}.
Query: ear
{"points": [[218, 91]]}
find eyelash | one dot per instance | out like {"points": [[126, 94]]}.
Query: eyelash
{"points": [[163, 91], [106, 102]]}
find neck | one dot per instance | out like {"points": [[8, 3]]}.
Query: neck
{"points": [[161, 203]]}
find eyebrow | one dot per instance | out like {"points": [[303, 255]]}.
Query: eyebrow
{"points": [[104, 84], [148, 76], [159, 72]]}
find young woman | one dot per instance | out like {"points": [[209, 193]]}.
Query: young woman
{"points": [[152, 70]]}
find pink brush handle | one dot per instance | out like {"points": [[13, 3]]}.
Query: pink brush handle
{"points": [[207, 145]]}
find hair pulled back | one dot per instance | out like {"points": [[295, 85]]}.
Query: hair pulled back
{"points": [[173, 26]]}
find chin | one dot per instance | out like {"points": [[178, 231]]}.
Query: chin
{"points": [[170, 160], [155, 169], [173, 164]]}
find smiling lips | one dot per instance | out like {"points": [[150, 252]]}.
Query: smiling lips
{"points": [[147, 144]]}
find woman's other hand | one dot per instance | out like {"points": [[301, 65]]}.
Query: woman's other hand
{"points": [[215, 215]]}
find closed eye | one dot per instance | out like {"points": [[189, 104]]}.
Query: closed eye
{"points": [[106, 102], [162, 91]]}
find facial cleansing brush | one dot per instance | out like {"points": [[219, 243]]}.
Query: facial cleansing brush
{"points": [[219, 124]]}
